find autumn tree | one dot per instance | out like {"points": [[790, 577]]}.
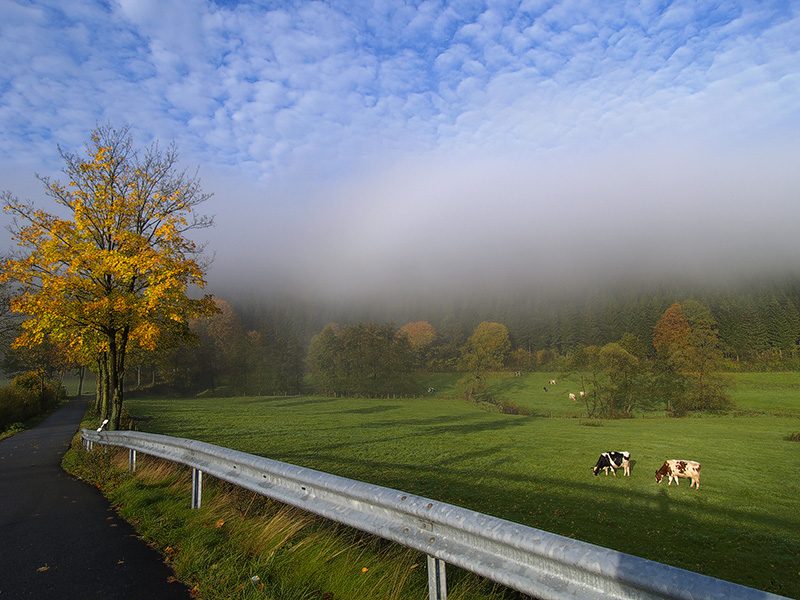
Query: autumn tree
{"points": [[111, 266], [9, 323], [671, 332], [421, 336], [689, 355]]}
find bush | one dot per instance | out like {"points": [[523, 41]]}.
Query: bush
{"points": [[48, 395], [793, 437], [16, 405], [24, 399]]}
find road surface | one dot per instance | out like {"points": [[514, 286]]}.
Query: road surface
{"points": [[59, 537]]}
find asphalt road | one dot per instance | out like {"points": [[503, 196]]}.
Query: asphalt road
{"points": [[59, 537]]}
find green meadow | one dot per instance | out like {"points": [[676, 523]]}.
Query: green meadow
{"points": [[742, 525]]}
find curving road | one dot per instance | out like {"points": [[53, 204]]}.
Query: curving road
{"points": [[59, 537]]}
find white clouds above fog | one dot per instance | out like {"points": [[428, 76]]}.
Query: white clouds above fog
{"points": [[435, 141]]}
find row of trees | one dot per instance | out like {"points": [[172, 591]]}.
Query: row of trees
{"points": [[614, 379], [363, 360], [758, 326], [228, 358]]}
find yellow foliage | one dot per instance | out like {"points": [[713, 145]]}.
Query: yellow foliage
{"points": [[118, 268]]}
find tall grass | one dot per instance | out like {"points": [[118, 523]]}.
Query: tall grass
{"points": [[242, 545]]}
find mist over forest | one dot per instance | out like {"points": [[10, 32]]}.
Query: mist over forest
{"points": [[535, 316]]}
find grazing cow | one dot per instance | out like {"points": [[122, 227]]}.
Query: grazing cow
{"points": [[572, 397], [613, 460], [431, 390], [680, 468], [552, 382], [544, 388], [583, 393]]}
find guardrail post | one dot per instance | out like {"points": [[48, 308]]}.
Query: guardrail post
{"points": [[131, 460], [197, 487], [437, 582]]}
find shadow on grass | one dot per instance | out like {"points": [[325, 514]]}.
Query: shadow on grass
{"points": [[293, 401], [371, 410]]}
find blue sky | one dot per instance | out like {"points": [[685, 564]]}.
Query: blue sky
{"points": [[362, 146]]}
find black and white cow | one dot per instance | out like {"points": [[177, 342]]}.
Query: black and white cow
{"points": [[613, 460]]}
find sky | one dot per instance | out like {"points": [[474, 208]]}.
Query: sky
{"points": [[386, 147]]}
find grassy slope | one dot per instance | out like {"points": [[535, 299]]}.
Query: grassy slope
{"points": [[742, 525]]}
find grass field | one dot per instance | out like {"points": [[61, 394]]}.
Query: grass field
{"points": [[743, 524]]}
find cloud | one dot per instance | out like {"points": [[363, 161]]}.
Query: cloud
{"points": [[348, 143]]}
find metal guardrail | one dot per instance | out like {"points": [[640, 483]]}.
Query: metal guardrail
{"points": [[534, 562]]}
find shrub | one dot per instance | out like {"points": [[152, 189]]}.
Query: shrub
{"points": [[47, 394], [25, 398], [16, 405], [793, 437]]}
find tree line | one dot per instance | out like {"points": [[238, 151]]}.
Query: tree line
{"points": [[682, 374]]}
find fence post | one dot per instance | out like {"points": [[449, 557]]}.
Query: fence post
{"points": [[131, 460], [197, 487], [437, 582]]}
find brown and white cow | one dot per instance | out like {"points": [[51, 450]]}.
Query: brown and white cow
{"points": [[680, 468]]}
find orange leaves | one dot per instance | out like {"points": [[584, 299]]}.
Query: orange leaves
{"points": [[672, 330], [421, 334]]}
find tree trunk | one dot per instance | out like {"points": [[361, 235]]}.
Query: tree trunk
{"points": [[113, 382], [81, 374], [60, 384], [98, 387], [41, 393], [116, 368], [116, 409], [105, 387]]}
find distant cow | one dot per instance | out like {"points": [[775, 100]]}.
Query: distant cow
{"points": [[572, 397], [673, 469], [613, 460], [552, 382], [431, 390], [583, 393]]}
